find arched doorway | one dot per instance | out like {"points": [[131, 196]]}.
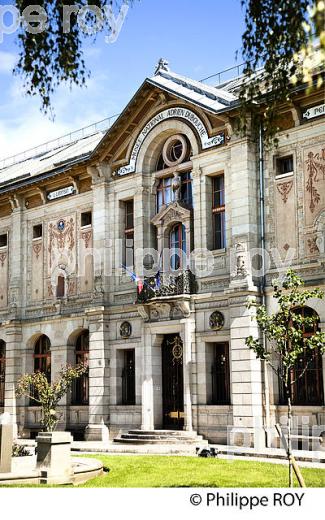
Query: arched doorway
{"points": [[172, 382]]}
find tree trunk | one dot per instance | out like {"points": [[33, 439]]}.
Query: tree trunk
{"points": [[289, 452]]}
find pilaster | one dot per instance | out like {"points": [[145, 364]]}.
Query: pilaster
{"points": [[99, 360]]}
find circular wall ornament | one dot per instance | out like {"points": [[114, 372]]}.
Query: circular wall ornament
{"points": [[216, 320], [125, 330], [61, 225]]}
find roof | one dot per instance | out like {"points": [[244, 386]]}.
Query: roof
{"points": [[60, 154], [208, 97], [64, 155]]}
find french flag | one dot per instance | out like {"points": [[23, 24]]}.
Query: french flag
{"points": [[135, 279]]}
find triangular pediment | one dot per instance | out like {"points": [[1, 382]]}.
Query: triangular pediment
{"points": [[171, 214], [156, 99]]}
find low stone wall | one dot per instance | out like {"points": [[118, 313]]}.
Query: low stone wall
{"points": [[212, 422], [124, 418]]}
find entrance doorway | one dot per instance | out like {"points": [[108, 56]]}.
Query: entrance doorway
{"points": [[172, 382]]}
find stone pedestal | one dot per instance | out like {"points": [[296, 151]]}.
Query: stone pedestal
{"points": [[6, 440], [97, 432], [54, 457]]}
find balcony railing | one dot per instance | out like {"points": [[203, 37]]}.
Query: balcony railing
{"points": [[168, 285]]}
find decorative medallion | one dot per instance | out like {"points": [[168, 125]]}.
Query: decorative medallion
{"points": [[177, 348], [217, 320], [125, 330], [61, 225]]}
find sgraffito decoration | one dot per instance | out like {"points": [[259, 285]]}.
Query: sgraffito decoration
{"points": [[284, 189], [37, 248], [86, 236], [315, 164], [61, 236]]}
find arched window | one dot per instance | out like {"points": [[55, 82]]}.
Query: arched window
{"points": [[42, 361], [80, 389], [42, 356], [2, 371], [308, 387], [178, 246]]}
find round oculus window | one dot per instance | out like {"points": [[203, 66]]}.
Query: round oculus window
{"points": [[175, 150]]}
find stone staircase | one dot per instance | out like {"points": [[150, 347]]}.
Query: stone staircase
{"points": [[161, 437]]}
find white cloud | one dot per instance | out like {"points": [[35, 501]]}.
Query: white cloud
{"points": [[23, 126], [7, 62]]}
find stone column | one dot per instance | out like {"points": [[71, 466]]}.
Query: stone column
{"points": [[246, 377], [58, 361], [188, 338], [147, 383], [99, 358], [14, 353]]}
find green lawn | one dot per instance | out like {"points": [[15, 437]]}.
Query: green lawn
{"points": [[161, 471]]}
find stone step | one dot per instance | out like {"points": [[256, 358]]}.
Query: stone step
{"points": [[164, 433], [161, 437], [156, 437], [122, 440]]}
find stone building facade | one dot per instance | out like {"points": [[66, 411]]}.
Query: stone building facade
{"points": [[136, 249]]}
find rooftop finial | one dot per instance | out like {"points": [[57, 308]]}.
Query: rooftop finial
{"points": [[162, 66]]}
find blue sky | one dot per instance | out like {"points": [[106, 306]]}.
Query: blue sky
{"points": [[197, 37]]}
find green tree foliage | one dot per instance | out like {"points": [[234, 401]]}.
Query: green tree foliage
{"points": [[279, 36], [37, 388], [54, 55], [284, 330]]}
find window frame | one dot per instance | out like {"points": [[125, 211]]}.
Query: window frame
{"points": [[219, 209], [299, 390], [128, 378], [225, 399], [128, 232], [80, 387]]}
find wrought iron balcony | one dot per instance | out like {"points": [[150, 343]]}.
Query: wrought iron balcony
{"points": [[168, 285]]}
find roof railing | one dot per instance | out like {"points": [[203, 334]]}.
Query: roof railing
{"points": [[65, 140], [225, 75]]}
